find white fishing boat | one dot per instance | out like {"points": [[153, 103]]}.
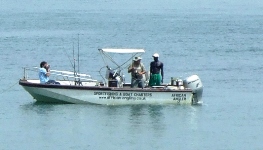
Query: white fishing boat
{"points": [[80, 88]]}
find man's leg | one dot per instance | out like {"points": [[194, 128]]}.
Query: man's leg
{"points": [[141, 83], [151, 82], [158, 79], [133, 83]]}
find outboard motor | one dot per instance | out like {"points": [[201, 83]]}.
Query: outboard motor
{"points": [[194, 83]]}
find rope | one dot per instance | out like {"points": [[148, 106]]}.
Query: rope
{"points": [[5, 90]]}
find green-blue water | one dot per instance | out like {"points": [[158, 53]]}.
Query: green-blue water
{"points": [[220, 41]]}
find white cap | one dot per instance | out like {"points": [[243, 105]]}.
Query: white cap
{"points": [[137, 58], [155, 55]]}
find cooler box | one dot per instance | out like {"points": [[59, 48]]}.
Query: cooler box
{"points": [[113, 83]]}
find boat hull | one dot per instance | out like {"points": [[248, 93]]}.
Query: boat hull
{"points": [[106, 95]]}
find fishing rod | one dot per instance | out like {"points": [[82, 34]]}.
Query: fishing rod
{"points": [[76, 71], [69, 59]]}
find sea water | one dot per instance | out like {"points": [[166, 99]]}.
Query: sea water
{"points": [[220, 41]]}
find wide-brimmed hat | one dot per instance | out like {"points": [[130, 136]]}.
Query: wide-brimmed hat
{"points": [[137, 58], [155, 55]]}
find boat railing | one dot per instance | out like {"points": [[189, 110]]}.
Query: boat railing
{"points": [[60, 75]]}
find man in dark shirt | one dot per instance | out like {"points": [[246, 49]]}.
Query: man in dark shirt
{"points": [[156, 71]]}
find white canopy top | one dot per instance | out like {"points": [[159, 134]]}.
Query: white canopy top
{"points": [[110, 50]]}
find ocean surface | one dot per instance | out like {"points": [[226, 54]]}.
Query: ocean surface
{"points": [[219, 40]]}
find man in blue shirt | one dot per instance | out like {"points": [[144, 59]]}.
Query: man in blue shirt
{"points": [[44, 73]]}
